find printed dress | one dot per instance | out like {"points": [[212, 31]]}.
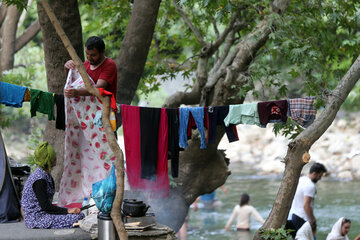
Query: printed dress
{"points": [[34, 216]]}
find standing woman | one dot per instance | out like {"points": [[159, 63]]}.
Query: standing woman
{"points": [[340, 230], [243, 211], [38, 192]]}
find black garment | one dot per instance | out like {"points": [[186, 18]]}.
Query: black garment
{"points": [[39, 187], [216, 117], [173, 140], [295, 223], [60, 111], [149, 134]]}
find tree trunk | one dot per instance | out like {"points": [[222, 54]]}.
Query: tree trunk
{"points": [[55, 57], [216, 87], [302, 144], [9, 29], [135, 47]]}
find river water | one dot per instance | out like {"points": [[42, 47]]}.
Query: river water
{"points": [[334, 199]]}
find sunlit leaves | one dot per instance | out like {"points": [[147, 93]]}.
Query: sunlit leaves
{"points": [[20, 4]]}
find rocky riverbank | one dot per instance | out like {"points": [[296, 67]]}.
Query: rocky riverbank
{"points": [[338, 148]]}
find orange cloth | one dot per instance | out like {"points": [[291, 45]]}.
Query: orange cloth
{"points": [[27, 96]]}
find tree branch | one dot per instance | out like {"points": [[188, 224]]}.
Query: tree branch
{"points": [[224, 34], [217, 34], [24, 12], [302, 143], [190, 25], [9, 29], [3, 9], [178, 98], [28, 34]]}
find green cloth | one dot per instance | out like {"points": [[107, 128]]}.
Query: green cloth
{"points": [[44, 156], [243, 114], [42, 102]]}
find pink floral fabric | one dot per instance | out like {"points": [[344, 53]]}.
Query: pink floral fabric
{"points": [[88, 156]]}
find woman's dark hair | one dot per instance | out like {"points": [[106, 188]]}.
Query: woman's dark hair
{"points": [[95, 42], [244, 199], [345, 220]]}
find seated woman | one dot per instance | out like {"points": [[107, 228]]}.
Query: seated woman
{"points": [[38, 192], [340, 230], [243, 211]]}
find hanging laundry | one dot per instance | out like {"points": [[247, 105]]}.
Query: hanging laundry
{"points": [[302, 110], [131, 121], [27, 96], [216, 117], [242, 114], [88, 157], [173, 140], [103, 93], [98, 119], [42, 102], [273, 111], [11, 95], [198, 115], [149, 130], [192, 123], [60, 111]]}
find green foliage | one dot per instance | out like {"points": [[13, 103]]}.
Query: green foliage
{"points": [[172, 181], [107, 19], [29, 72], [20, 4], [312, 47], [277, 234], [34, 141], [291, 129]]}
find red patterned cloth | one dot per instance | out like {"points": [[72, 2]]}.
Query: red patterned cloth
{"points": [[88, 156]]}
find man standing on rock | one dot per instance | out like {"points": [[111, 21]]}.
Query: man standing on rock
{"points": [[302, 207]]}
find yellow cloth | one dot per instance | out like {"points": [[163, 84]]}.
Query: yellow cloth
{"points": [[44, 156]]}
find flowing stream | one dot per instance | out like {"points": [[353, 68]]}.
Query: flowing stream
{"points": [[334, 199]]}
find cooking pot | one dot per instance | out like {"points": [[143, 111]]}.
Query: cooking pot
{"points": [[134, 208]]}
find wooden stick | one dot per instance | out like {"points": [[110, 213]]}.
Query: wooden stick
{"points": [[119, 162]]}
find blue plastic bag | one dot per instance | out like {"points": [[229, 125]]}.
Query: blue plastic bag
{"points": [[103, 192]]}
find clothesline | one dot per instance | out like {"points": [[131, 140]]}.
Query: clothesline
{"points": [[154, 135], [300, 110]]}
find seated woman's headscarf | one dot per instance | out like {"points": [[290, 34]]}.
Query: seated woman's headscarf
{"points": [[44, 156], [305, 232], [335, 233]]}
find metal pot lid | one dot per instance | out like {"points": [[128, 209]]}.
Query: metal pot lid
{"points": [[132, 201]]}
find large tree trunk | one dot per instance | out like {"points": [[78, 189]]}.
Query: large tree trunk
{"points": [[55, 57], [135, 47], [215, 88], [302, 144], [8, 34]]}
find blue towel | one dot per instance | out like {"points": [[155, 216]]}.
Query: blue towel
{"points": [[11, 95]]}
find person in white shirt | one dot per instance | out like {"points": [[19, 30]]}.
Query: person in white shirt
{"points": [[302, 207], [243, 211]]}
